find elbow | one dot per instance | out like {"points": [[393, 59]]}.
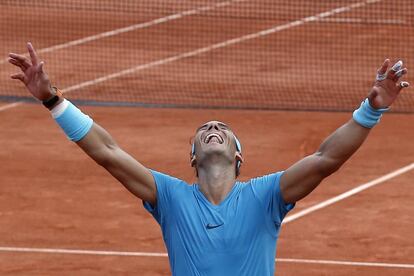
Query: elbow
{"points": [[103, 162]]}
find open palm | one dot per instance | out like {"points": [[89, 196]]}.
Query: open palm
{"points": [[32, 75], [387, 86]]}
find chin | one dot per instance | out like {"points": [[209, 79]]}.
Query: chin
{"points": [[216, 147], [217, 152]]}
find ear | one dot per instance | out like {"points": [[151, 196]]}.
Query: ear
{"points": [[193, 160], [239, 157]]}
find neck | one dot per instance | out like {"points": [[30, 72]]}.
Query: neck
{"points": [[216, 181]]}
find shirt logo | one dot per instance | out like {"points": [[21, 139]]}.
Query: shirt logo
{"points": [[212, 226]]}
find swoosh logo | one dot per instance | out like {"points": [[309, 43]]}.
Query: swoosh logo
{"points": [[212, 226]]}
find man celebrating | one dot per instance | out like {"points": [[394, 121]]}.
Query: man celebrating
{"points": [[218, 226]]}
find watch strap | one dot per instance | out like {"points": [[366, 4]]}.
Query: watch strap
{"points": [[53, 99]]}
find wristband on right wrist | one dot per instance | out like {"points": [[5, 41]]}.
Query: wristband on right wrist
{"points": [[367, 116], [73, 122]]}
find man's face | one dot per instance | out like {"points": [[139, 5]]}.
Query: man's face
{"points": [[214, 138]]}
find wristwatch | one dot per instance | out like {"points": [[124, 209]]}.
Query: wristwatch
{"points": [[54, 98]]}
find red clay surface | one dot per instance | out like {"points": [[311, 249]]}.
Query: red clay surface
{"points": [[53, 196], [315, 65]]}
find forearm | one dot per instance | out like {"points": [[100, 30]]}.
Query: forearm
{"points": [[98, 144], [304, 176], [340, 146], [80, 128], [102, 148]]}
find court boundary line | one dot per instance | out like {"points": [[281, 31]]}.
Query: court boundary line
{"points": [[157, 254], [358, 20], [346, 263], [8, 106], [265, 32], [292, 218], [349, 193], [298, 215], [131, 28], [202, 50]]}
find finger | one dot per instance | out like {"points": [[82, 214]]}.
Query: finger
{"points": [[403, 85], [18, 76], [400, 73], [17, 63], [397, 66], [32, 53], [40, 67], [394, 69], [24, 60], [381, 72], [384, 67]]}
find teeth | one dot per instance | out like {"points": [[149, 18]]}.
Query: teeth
{"points": [[208, 138]]}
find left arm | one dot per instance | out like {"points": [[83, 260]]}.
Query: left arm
{"points": [[304, 176]]}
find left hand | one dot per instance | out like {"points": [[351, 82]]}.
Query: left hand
{"points": [[387, 85]]}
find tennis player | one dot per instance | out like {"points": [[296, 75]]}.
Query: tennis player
{"points": [[218, 226]]}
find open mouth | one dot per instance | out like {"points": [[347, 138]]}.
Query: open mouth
{"points": [[213, 137]]}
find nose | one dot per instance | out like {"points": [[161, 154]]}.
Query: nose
{"points": [[213, 125]]}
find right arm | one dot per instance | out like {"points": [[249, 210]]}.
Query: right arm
{"points": [[97, 143], [102, 148]]}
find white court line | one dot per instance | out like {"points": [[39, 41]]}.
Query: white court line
{"points": [[81, 252], [348, 263], [156, 254], [349, 193], [131, 28], [121, 31], [365, 21], [8, 106], [289, 218], [223, 44]]}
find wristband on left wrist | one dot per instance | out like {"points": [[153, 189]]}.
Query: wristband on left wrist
{"points": [[367, 116]]}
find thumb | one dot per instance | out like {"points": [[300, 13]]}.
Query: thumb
{"points": [[372, 94], [18, 76], [40, 67]]}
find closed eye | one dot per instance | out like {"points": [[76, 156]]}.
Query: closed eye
{"points": [[204, 127], [223, 126]]}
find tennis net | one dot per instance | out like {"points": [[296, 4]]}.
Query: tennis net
{"points": [[317, 55]]}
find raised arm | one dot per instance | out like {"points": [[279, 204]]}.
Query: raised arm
{"points": [[304, 176], [92, 138], [102, 148]]}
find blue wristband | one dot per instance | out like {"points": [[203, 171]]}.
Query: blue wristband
{"points": [[367, 116], [74, 123]]}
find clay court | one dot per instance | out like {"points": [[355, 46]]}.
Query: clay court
{"points": [[61, 214]]}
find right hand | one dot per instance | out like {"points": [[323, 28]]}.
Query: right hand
{"points": [[32, 75]]}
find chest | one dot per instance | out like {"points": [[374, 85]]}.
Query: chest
{"points": [[229, 227]]}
